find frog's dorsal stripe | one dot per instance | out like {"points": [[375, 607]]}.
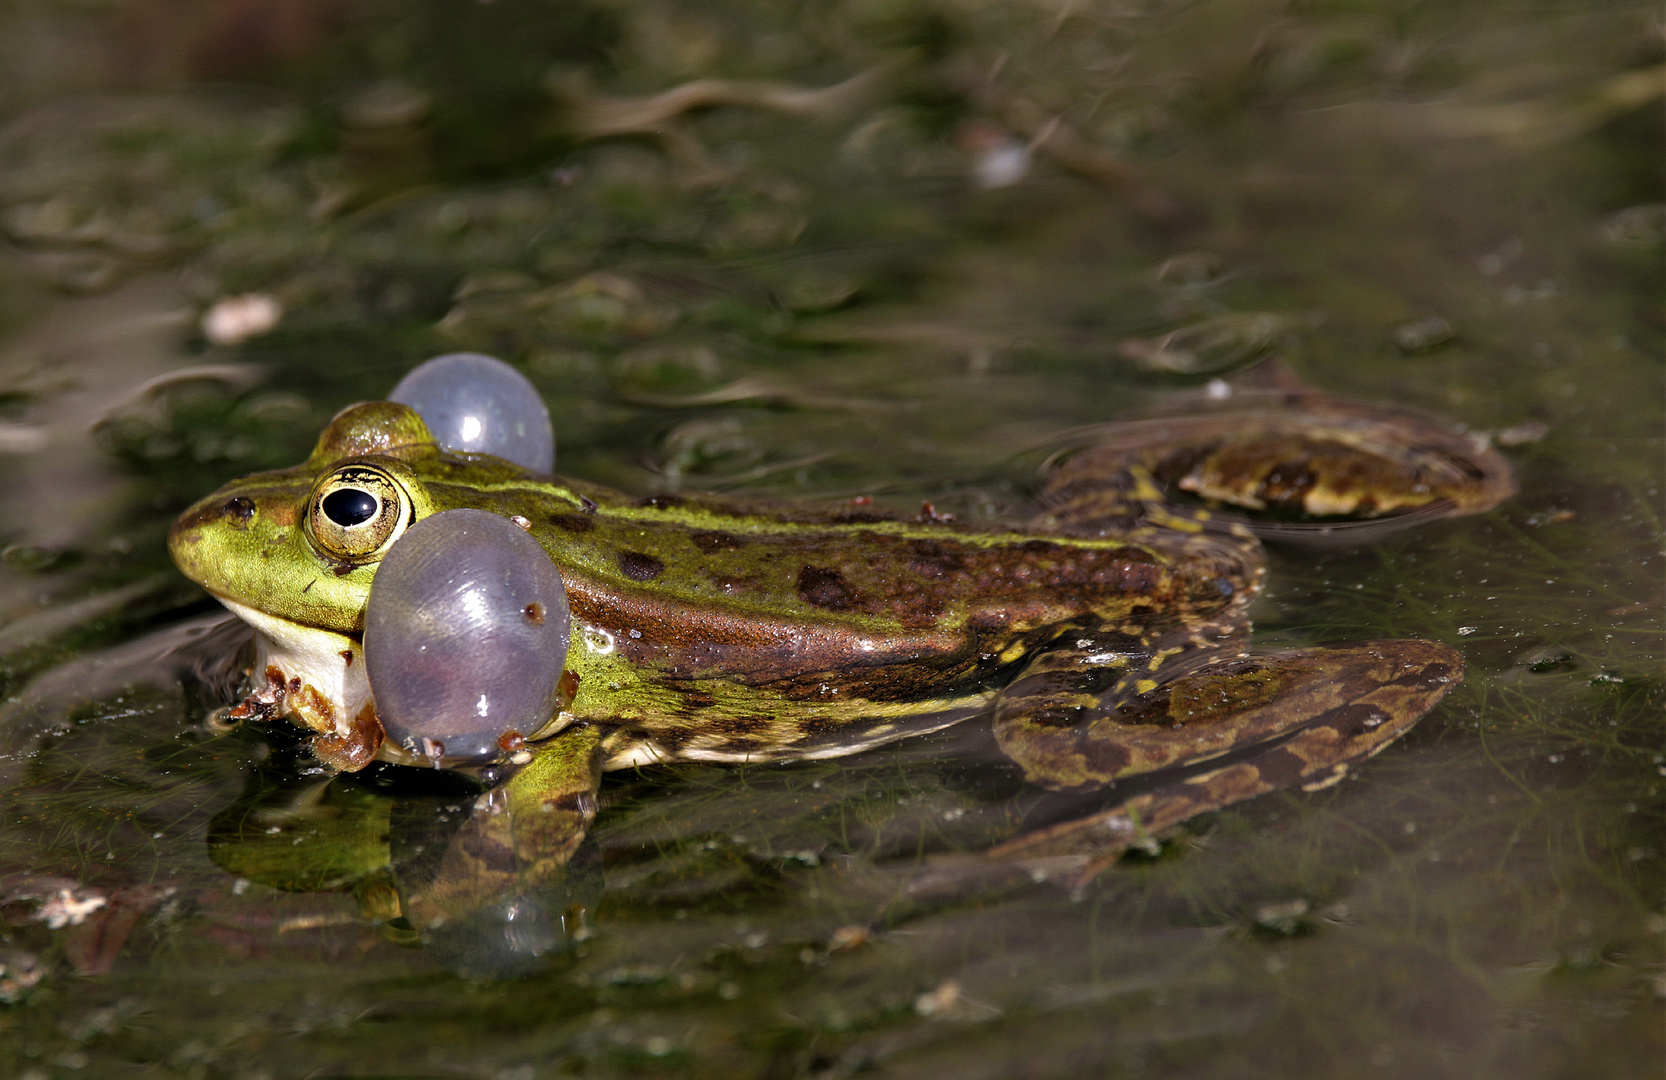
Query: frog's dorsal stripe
{"points": [[758, 519]]}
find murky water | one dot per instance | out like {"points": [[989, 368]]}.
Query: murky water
{"points": [[908, 286]]}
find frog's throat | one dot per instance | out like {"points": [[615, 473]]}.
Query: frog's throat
{"points": [[321, 672]]}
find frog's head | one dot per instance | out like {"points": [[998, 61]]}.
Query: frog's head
{"points": [[294, 552], [301, 545]]}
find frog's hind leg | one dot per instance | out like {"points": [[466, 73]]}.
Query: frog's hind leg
{"points": [[1272, 721], [1292, 465]]}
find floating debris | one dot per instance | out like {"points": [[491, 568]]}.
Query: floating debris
{"points": [[1192, 269], [236, 319], [1530, 431], [1423, 335], [849, 938], [70, 907], [998, 159], [22, 438], [386, 104], [940, 1000], [1545, 658], [1645, 224], [1285, 917], [20, 972]]}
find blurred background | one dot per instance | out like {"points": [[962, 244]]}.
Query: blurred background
{"points": [[829, 249]]}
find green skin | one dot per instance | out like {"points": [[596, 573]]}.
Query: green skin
{"points": [[1106, 635]]}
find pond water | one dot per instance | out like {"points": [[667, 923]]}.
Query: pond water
{"points": [[907, 284]]}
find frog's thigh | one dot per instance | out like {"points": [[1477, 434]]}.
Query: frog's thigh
{"points": [[1070, 725]]}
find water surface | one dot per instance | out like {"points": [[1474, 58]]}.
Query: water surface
{"points": [[908, 289]]}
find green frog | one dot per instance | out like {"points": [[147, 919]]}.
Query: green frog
{"points": [[1104, 636]]}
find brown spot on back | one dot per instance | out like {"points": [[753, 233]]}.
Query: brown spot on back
{"points": [[573, 523], [1278, 769], [695, 699], [638, 566], [713, 542], [931, 559], [825, 587], [582, 803], [1107, 758]]}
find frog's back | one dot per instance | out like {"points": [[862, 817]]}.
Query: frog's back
{"points": [[720, 627]]}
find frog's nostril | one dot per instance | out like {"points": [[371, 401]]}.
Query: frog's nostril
{"points": [[239, 510]]}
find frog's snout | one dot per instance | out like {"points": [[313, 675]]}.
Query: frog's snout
{"points": [[207, 516]]}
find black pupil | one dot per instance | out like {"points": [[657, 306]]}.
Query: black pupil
{"points": [[349, 506]]}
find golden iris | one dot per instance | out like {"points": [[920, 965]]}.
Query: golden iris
{"points": [[357, 511]]}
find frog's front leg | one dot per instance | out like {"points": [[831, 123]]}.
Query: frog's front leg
{"points": [[495, 895], [1085, 715]]}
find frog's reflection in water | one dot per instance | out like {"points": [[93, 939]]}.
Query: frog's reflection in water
{"points": [[432, 858]]}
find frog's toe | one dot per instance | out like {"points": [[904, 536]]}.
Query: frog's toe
{"points": [[1197, 705]]}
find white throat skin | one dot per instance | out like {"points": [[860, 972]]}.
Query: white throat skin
{"points": [[321, 672]]}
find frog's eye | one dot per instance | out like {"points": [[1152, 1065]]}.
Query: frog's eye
{"points": [[357, 511]]}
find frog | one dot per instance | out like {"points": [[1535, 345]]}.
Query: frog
{"points": [[1103, 635]]}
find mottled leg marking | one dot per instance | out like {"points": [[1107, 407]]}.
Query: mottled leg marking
{"points": [[1287, 449], [1313, 712]]}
